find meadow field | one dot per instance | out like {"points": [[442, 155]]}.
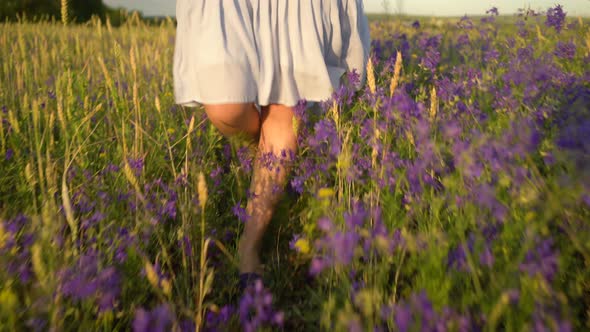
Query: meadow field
{"points": [[450, 192]]}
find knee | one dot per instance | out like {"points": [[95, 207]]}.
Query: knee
{"points": [[230, 115]]}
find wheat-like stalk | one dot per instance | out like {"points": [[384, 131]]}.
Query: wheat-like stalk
{"points": [[205, 274], [396, 74], [335, 115], [433, 104], [202, 190], [371, 76], [64, 12], [38, 265]]}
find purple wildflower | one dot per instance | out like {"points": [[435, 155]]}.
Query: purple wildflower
{"points": [[17, 247], [486, 257], [463, 40], [111, 168], [216, 175], [491, 55], [240, 212], [465, 23], [565, 50], [187, 247], [417, 313], [37, 324], [293, 242], [245, 159], [318, 264], [159, 319], [343, 245], [137, 165], [403, 317], [356, 217], [218, 320], [555, 18], [354, 325], [297, 184], [431, 60], [86, 280], [124, 241], [549, 317], [513, 295], [162, 199], [485, 196], [255, 309], [92, 221], [493, 11], [457, 259], [542, 260]]}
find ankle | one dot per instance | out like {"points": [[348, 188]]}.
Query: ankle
{"points": [[250, 263]]}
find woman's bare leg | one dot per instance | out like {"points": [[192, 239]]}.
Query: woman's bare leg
{"points": [[234, 119], [276, 135], [273, 130]]}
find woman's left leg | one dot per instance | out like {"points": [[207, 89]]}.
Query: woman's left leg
{"points": [[277, 136]]}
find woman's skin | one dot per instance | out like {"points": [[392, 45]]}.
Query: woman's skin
{"points": [[272, 130]]}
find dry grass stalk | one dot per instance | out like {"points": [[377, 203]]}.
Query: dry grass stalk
{"points": [[371, 76], [64, 12], [433, 103], [335, 114], [396, 74], [202, 190]]}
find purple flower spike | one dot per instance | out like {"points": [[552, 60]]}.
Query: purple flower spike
{"points": [[486, 257], [86, 281], [9, 154], [493, 11], [255, 309], [159, 319], [403, 317], [137, 165], [240, 212], [556, 18], [565, 50], [542, 260]]}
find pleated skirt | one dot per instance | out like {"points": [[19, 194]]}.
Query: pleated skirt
{"points": [[266, 51]]}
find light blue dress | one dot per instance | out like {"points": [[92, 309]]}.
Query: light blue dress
{"points": [[266, 51]]}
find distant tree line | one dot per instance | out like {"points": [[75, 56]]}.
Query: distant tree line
{"points": [[78, 10]]}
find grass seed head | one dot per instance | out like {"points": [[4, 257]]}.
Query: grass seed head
{"points": [[396, 74], [166, 287], [3, 236], [371, 76], [152, 276], [433, 103], [37, 262], [64, 12], [295, 124], [158, 105], [202, 190]]}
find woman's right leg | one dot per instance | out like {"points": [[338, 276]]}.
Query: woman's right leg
{"points": [[277, 135], [234, 119]]}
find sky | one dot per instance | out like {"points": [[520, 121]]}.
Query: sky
{"points": [[412, 7]]}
